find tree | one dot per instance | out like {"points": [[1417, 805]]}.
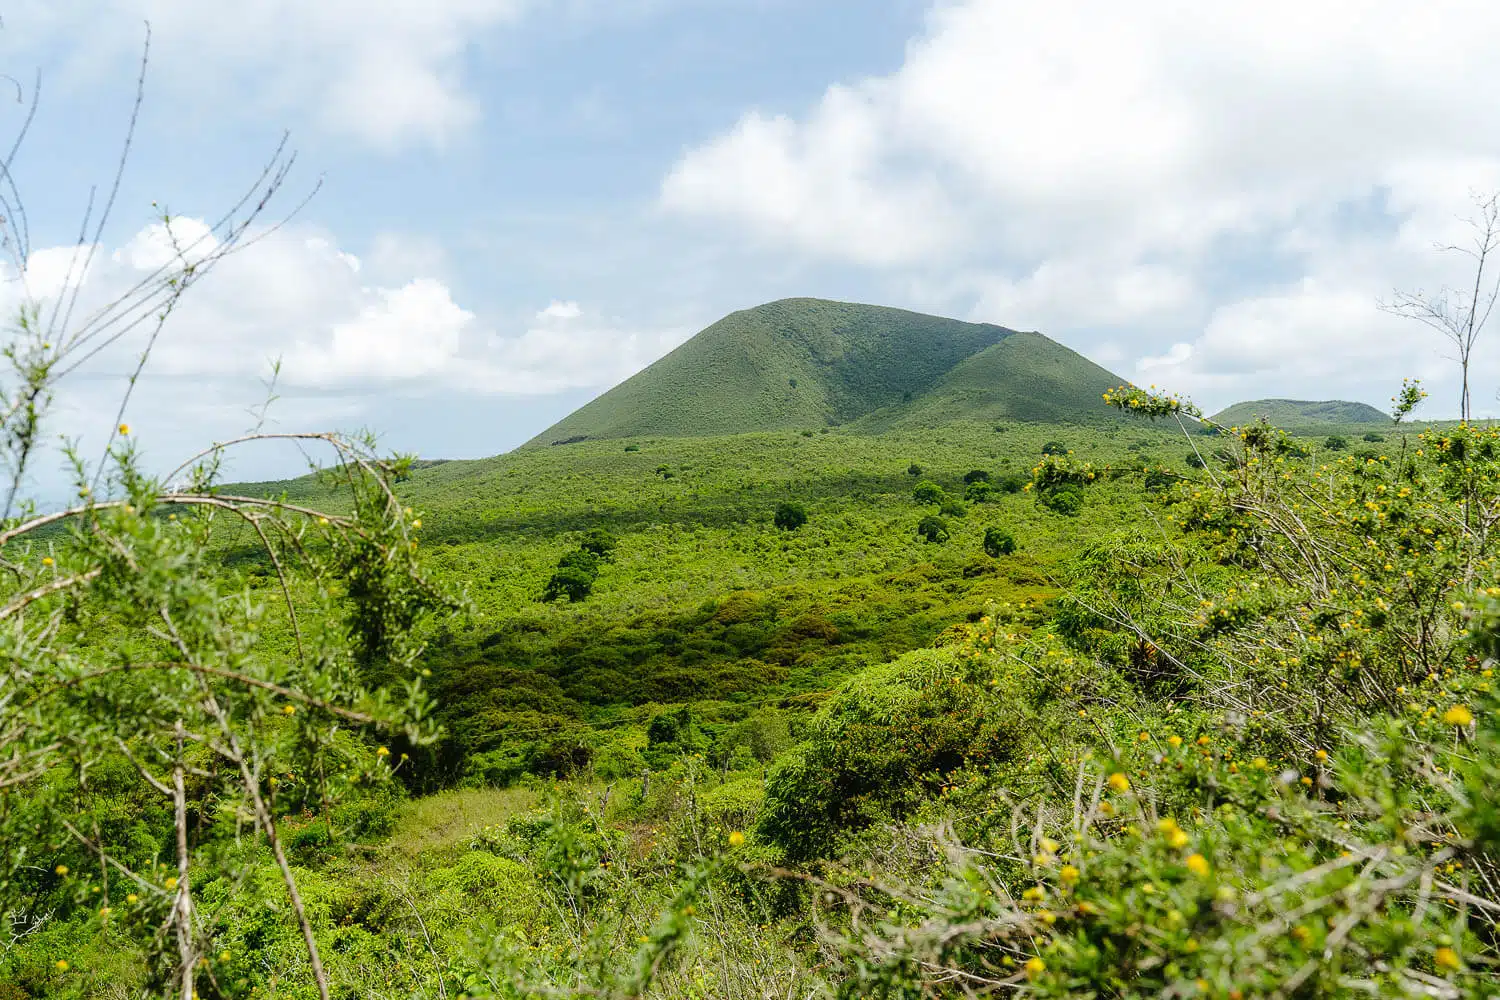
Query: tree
{"points": [[976, 476], [599, 543], [979, 492], [1459, 315], [575, 582], [1054, 448], [998, 542], [1335, 442], [933, 529], [790, 516], [928, 492], [128, 649]]}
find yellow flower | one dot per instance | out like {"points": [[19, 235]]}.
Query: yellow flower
{"points": [[1198, 865], [736, 839], [1458, 715], [62, 965], [46, 560], [171, 883], [61, 869], [382, 752], [1068, 874], [1176, 741], [1446, 959], [289, 710], [132, 898], [1118, 782], [1177, 838], [124, 428], [1322, 755], [1035, 967]]}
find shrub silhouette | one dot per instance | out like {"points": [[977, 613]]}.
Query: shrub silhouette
{"points": [[998, 542], [1054, 448], [928, 492], [979, 492], [790, 516], [933, 529], [976, 476]]}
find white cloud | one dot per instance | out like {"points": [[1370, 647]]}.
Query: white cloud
{"points": [[1088, 164], [560, 310], [387, 72], [296, 295]]}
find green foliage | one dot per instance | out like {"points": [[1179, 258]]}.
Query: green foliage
{"points": [[1298, 413], [928, 492], [1335, 442], [1054, 448], [889, 738], [976, 476], [790, 516], [933, 529], [998, 542]]}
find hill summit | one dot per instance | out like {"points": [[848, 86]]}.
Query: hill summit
{"points": [[804, 363], [1301, 412]]}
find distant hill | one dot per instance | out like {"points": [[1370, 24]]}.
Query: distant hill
{"points": [[805, 363], [1296, 412]]}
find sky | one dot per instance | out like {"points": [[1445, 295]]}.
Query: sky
{"points": [[516, 204]]}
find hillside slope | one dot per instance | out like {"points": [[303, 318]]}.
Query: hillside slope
{"points": [[1299, 412], [1024, 377], [805, 363]]}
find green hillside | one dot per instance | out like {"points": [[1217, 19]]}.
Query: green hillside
{"points": [[1301, 412], [804, 363], [1024, 377]]}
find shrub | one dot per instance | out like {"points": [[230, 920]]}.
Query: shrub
{"points": [[976, 476], [979, 492], [1054, 448], [914, 469], [599, 543], [928, 492], [952, 507], [1373, 436], [1194, 460], [1335, 442], [1013, 482], [573, 582], [632, 447], [887, 740], [1063, 500], [933, 529], [790, 516], [998, 542]]}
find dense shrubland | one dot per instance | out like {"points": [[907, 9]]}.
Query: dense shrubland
{"points": [[1234, 738]]}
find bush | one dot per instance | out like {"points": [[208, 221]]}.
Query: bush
{"points": [[914, 469], [998, 542], [599, 543], [976, 476], [1063, 500], [1013, 482], [928, 492], [952, 507], [979, 492], [573, 582], [1335, 442], [933, 529], [1194, 460], [790, 516], [887, 740], [1373, 436], [1054, 448]]}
